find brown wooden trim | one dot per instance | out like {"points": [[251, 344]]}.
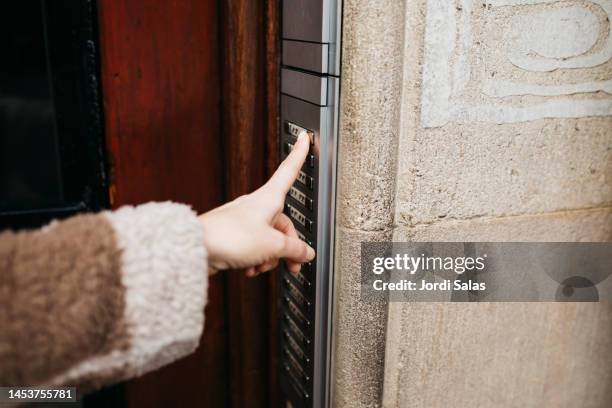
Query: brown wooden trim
{"points": [[160, 76], [191, 114], [250, 120], [245, 148], [273, 118]]}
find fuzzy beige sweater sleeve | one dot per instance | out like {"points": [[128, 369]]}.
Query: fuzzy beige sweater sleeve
{"points": [[97, 299]]}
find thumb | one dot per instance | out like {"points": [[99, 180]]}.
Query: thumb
{"points": [[296, 250]]}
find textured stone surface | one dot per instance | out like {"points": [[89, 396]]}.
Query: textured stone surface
{"points": [[478, 52], [566, 226], [358, 353], [500, 355], [503, 133], [556, 34], [462, 171], [370, 111], [371, 77], [475, 170], [484, 355]]}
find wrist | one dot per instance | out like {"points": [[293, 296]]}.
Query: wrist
{"points": [[213, 266]]}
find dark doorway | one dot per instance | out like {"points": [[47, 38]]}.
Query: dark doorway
{"points": [[51, 144]]}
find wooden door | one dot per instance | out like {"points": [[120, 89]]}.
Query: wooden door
{"points": [[190, 104]]}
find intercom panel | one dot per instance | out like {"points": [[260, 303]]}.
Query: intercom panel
{"points": [[309, 103]]}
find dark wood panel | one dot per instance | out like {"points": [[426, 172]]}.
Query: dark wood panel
{"points": [[250, 116], [245, 140], [192, 116], [273, 117], [161, 89]]}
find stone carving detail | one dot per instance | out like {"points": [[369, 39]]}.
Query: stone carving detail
{"points": [[505, 61]]}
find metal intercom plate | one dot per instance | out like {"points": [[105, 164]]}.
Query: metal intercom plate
{"points": [[314, 22], [308, 87], [308, 56], [309, 101], [306, 20]]}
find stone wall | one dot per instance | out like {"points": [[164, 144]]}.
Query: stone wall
{"points": [[371, 77], [473, 120]]}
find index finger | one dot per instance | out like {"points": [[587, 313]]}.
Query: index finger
{"points": [[283, 178]]}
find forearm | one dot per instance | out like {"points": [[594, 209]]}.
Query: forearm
{"points": [[99, 298]]}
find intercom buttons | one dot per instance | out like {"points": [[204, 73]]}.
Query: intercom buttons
{"points": [[296, 383], [299, 217], [311, 160], [295, 329], [295, 347], [297, 295], [302, 279], [295, 130], [296, 215], [300, 197], [295, 363], [306, 180], [288, 147], [299, 279], [303, 238], [295, 310], [308, 225]]}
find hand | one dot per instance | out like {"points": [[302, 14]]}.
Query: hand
{"points": [[252, 232]]}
